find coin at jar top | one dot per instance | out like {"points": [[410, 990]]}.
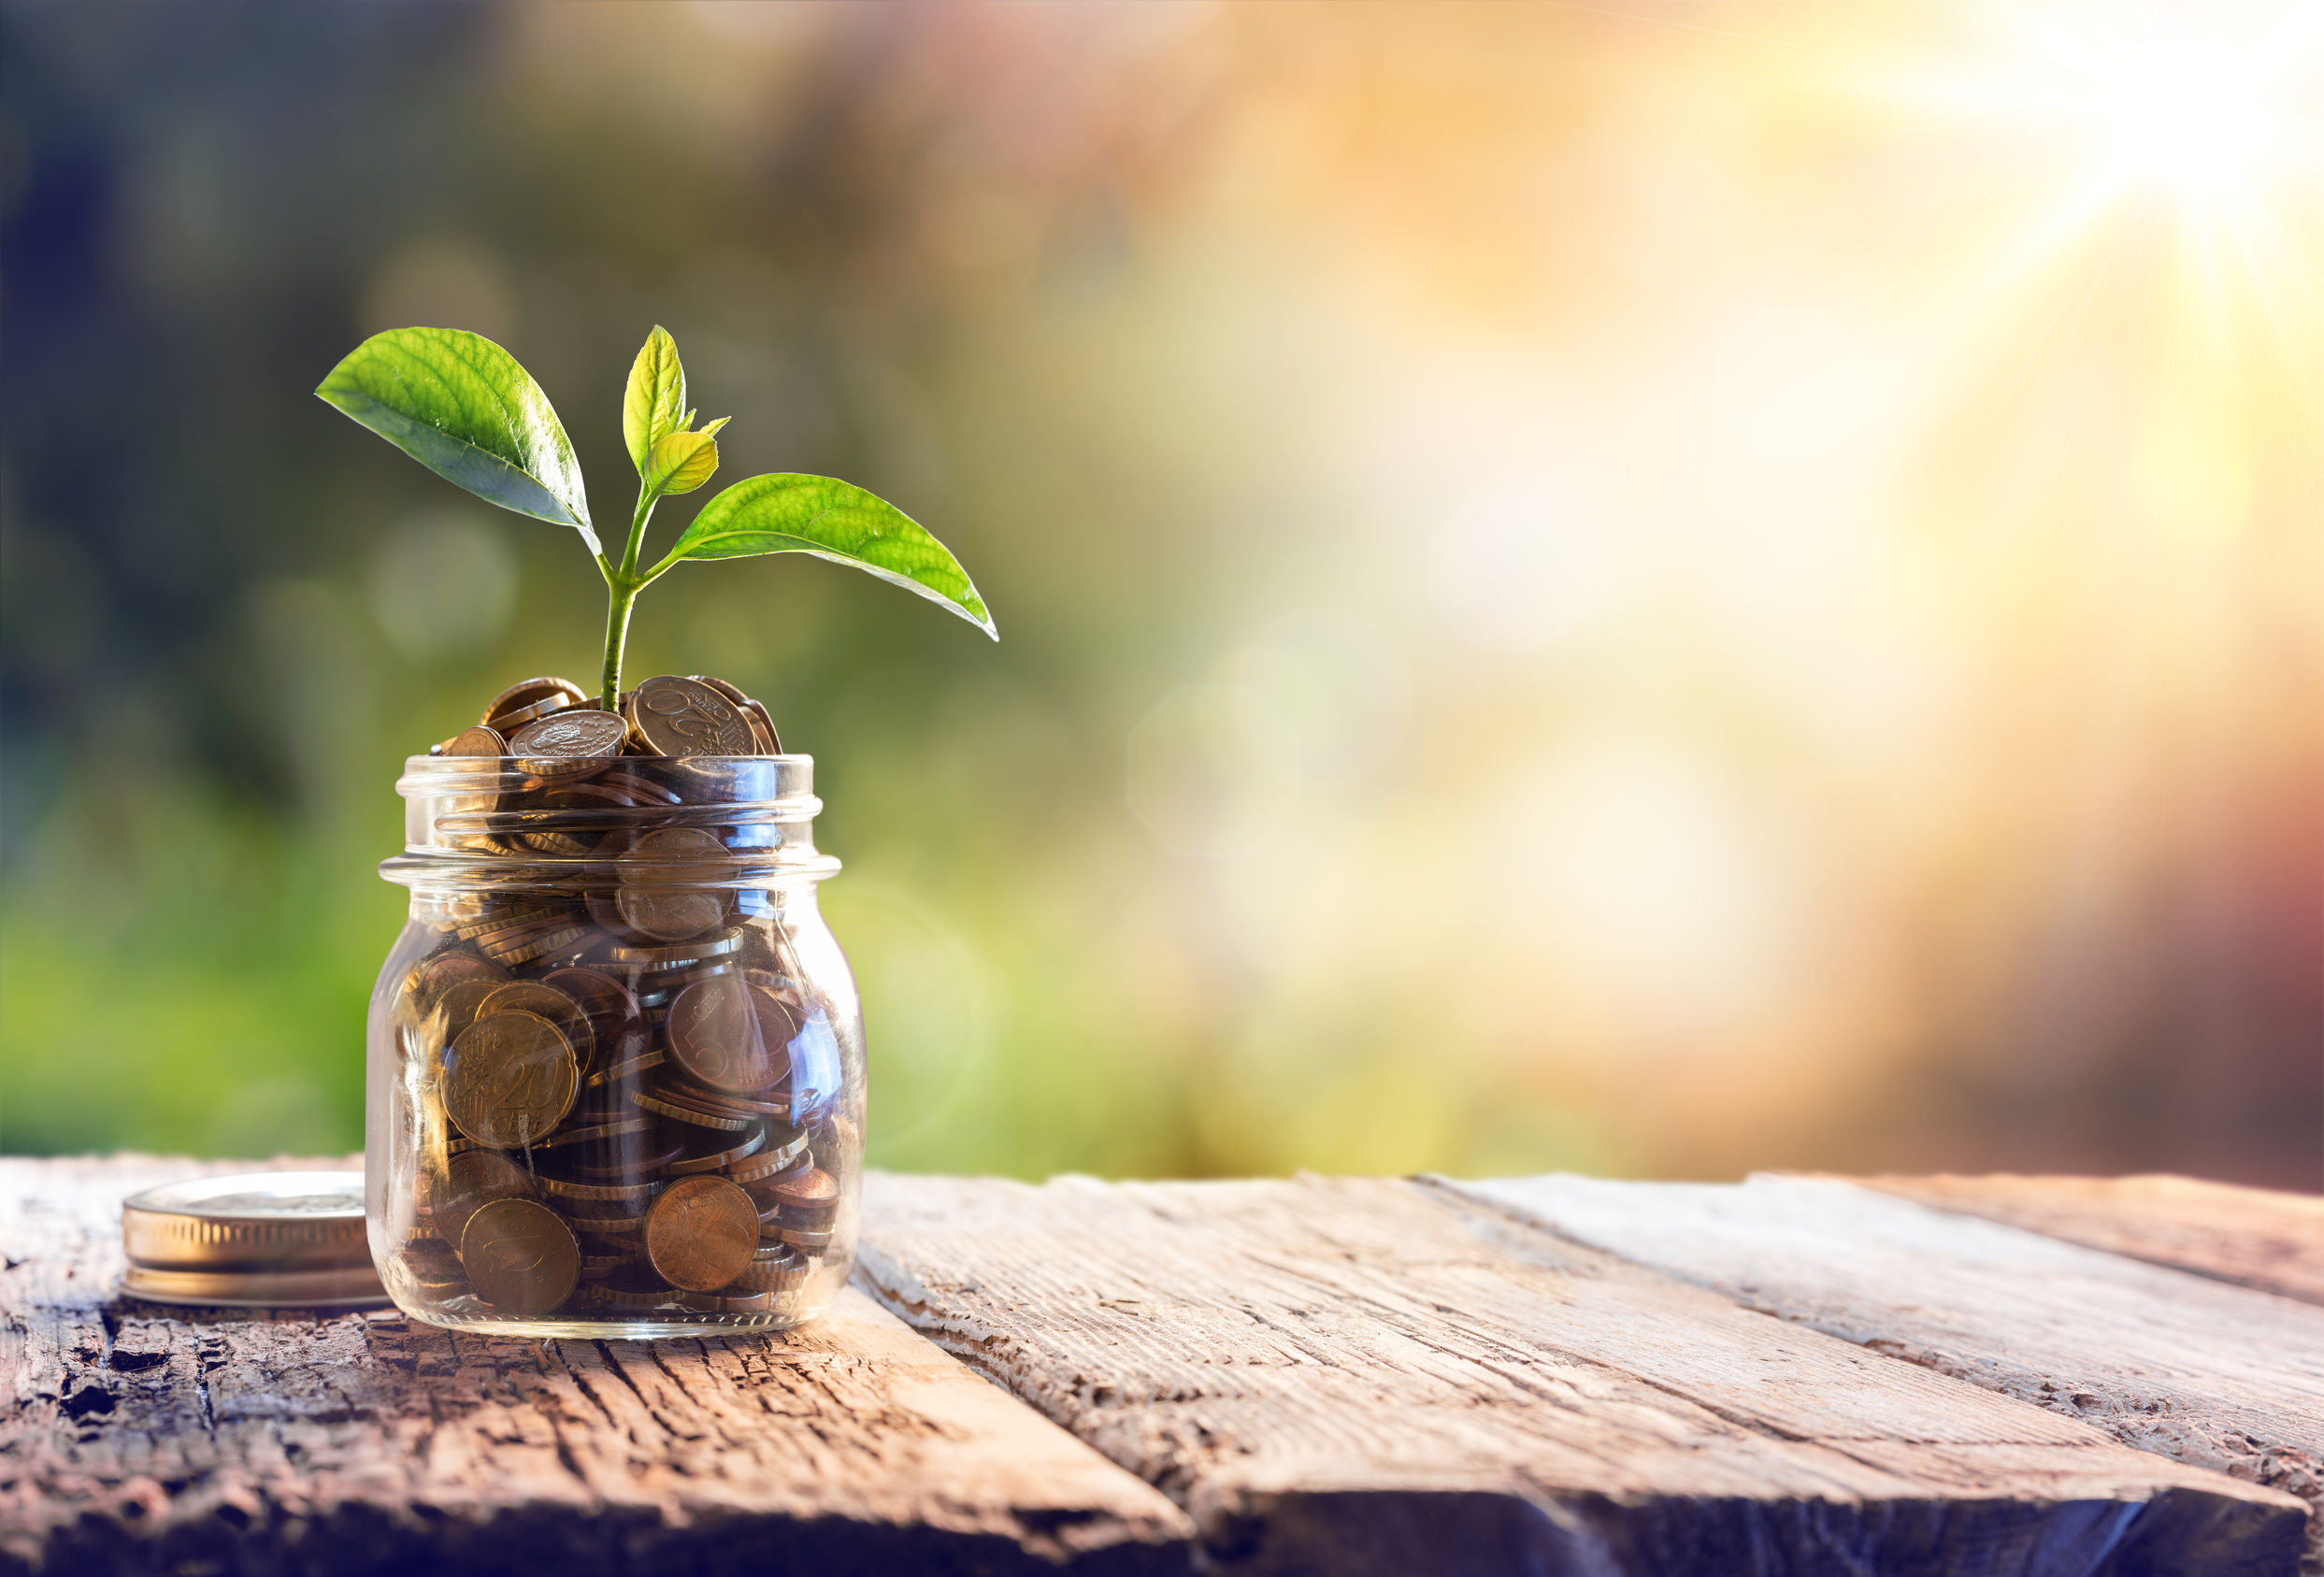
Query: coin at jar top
{"points": [[472, 1179], [520, 1256], [510, 1077], [676, 716], [762, 726], [714, 1035], [580, 733], [663, 874], [544, 1000], [476, 739], [700, 1233], [525, 700]]}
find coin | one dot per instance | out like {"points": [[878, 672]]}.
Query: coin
{"points": [[776, 1268], [520, 1256], [700, 1232], [581, 734], [439, 973], [762, 726], [616, 1022], [635, 1287], [770, 1163], [605, 1078], [663, 875], [433, 1269], [714, 1035], [728, 1301], [719, 1160], [544, 1000], [457, 1007], [472, 1179], [674, 716], [813, 1190], [535, 944], [476, 739], [529, 697], [702, 950], [806, 1242], [510, 1077], [631, 1194], [596, 1266], [607, 1220], [596, 1133], [655, 1103], [641, 790]]}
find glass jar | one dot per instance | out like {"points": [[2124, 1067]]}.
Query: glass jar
{"points": [[615, 1059]]}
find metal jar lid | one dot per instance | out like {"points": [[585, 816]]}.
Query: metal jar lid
{"points": [[251, 1240]]}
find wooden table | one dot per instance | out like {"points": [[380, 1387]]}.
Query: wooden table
{"points": [[1539, 1375]]}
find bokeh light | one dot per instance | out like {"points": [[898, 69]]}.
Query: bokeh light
{"points": [[1650, 589]]}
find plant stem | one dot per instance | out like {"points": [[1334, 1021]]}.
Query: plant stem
{"points": [[622, 585]]}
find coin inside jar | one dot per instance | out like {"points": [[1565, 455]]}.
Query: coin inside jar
{"points": [[714, 1035], [520, 1256], [675, 716], [471, 1179], [510, 1078], [664, 873], [701, 1232], [544, 1000]]}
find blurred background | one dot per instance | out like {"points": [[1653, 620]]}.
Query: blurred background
{"points": [[1650, 589]]}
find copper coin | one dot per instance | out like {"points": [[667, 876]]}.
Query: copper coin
{"points": [[701, 1232], [671, 1087], [509, 1080], [635, 1287], [472, 1179], [582, 733], [806, 1242], [606, 1078], [816, 1187], [729, 1300], [457, 1007], [536, 944], [476, 739], [446, 970], [501, 916], [607, 1220], [634, 1195], [719, 1160], [674, 716], [532, 692], [520, 1256], [665, 874], [544, 1000], [433, 1267], [714, 1037], [762, 723]]}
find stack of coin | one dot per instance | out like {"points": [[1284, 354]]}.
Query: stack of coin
{"points": [[626, 1086]]}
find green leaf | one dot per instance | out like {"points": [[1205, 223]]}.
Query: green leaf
{"points": [[682, 463], [654, 406], [465, 409], [788, 514]]}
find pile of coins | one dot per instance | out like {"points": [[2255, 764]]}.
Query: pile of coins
{"points": [[624, 1086]]}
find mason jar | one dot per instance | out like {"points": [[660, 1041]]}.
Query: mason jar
{"points": [[615, 1059]]}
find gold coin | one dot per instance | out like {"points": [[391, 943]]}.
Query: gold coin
{"points": [[688, 1113], [674, 716], [509, 1080], [702, 950], [666, 876], [476, 739], [582, 733], [762, 726], [544, 1000], [528, 695], [520, 1256], [701, 1232]]}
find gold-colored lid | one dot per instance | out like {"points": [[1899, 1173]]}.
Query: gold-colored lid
{"points": [[250, 1239]]}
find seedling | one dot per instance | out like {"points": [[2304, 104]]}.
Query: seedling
{"points": [[465, 409]]}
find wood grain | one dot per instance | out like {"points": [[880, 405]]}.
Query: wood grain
{"points": [[2253, 1237], [139, 1440], [2208, 1374], [1374, 1376]]}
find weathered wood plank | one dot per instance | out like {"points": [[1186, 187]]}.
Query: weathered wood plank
{"points": [[2205, 1373], [1375, 1376], [2253, 1237], [137, 1440]]}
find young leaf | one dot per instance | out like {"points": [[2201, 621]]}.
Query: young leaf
{"points": [[465, 409], [651, 407], [682, 463], [788, 514]]}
